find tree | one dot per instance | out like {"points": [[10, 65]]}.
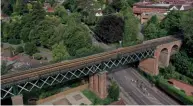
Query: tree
{"points": [[153, 20], [29, 21], [62, 13], [44, 31], [30, 48], [172, 22], [109, 10], [187, 27], [131, 27], [71, 5], [59, 52], [150, 32], [110, 29], [113, 91], [6, 7], [183, 64], [119, 4]]}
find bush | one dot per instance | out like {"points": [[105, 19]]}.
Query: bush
{"points": [[30, 48], [19, 49], [113, 91], [14, 41], [37, 56]]}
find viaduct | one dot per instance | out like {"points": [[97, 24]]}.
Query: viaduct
{"points": [[152, 54]]}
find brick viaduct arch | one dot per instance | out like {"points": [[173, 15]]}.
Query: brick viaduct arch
{"points": [[161, 57]]}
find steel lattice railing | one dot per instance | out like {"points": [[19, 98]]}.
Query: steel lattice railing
{"points": [[63, 76]]}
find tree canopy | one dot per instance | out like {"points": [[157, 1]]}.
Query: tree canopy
{"points": [[110, 29]]}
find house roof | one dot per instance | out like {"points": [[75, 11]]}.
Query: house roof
{"points": [[182, 85], [50, 9]]}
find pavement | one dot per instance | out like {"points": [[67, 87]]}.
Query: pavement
{"points": [[137, 90]]}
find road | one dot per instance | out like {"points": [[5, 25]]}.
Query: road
{"points": [[139, 89]]}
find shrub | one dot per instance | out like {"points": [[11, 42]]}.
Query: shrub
{"points": [[19, 49], [181, 96], [14, 41], [30, 48], [113, 91], [37, 56]]}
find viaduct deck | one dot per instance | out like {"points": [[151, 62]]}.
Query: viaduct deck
{"points": [[15, 78]]}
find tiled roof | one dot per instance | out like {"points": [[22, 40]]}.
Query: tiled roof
{"points": [[182, 85]]}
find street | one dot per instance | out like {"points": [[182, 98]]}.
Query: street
{"points": [[138, 88]]}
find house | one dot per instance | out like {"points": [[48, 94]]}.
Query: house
{"points": [[99, 12], [162, 7], [47, 7], [188, 89], [4, 17]]}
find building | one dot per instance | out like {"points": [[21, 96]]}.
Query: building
{"points": [[48, 8], [144, 10], [188, 89]]}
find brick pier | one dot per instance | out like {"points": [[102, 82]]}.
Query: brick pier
{"points": [[97, 84]]}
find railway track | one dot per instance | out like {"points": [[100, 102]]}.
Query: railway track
{"points": [[36, 72]]}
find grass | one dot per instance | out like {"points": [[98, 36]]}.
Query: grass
{"points": [[95, 99]]}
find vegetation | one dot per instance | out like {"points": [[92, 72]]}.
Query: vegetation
{"points": [[37, 56], [153, 30], [131, 27], [180, 95], [59, 52], [163, 84], [69, 26], [183, 64], [19, 49], [95, 99], [110, 29], [187, 28], [30, 48], [171, 72], [113, 91], [4, 68], [113, 95]]}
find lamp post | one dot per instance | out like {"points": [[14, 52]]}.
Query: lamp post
{"points": [[120, 42]]}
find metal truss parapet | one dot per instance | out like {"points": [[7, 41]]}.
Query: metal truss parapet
{"points": [[63, 76]]}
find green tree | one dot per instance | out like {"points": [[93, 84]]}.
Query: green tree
{"points": [[62, 13], [59, 52], [183, 64], [172, 22], [6, 7], [30, 48], [153, 20], [151, 31], [113, 91], [131, 27], [187, 27], [71, 5], [29, 21], [44, 31]]}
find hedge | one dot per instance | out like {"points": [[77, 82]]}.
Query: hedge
{"points": [[181, 96]]}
